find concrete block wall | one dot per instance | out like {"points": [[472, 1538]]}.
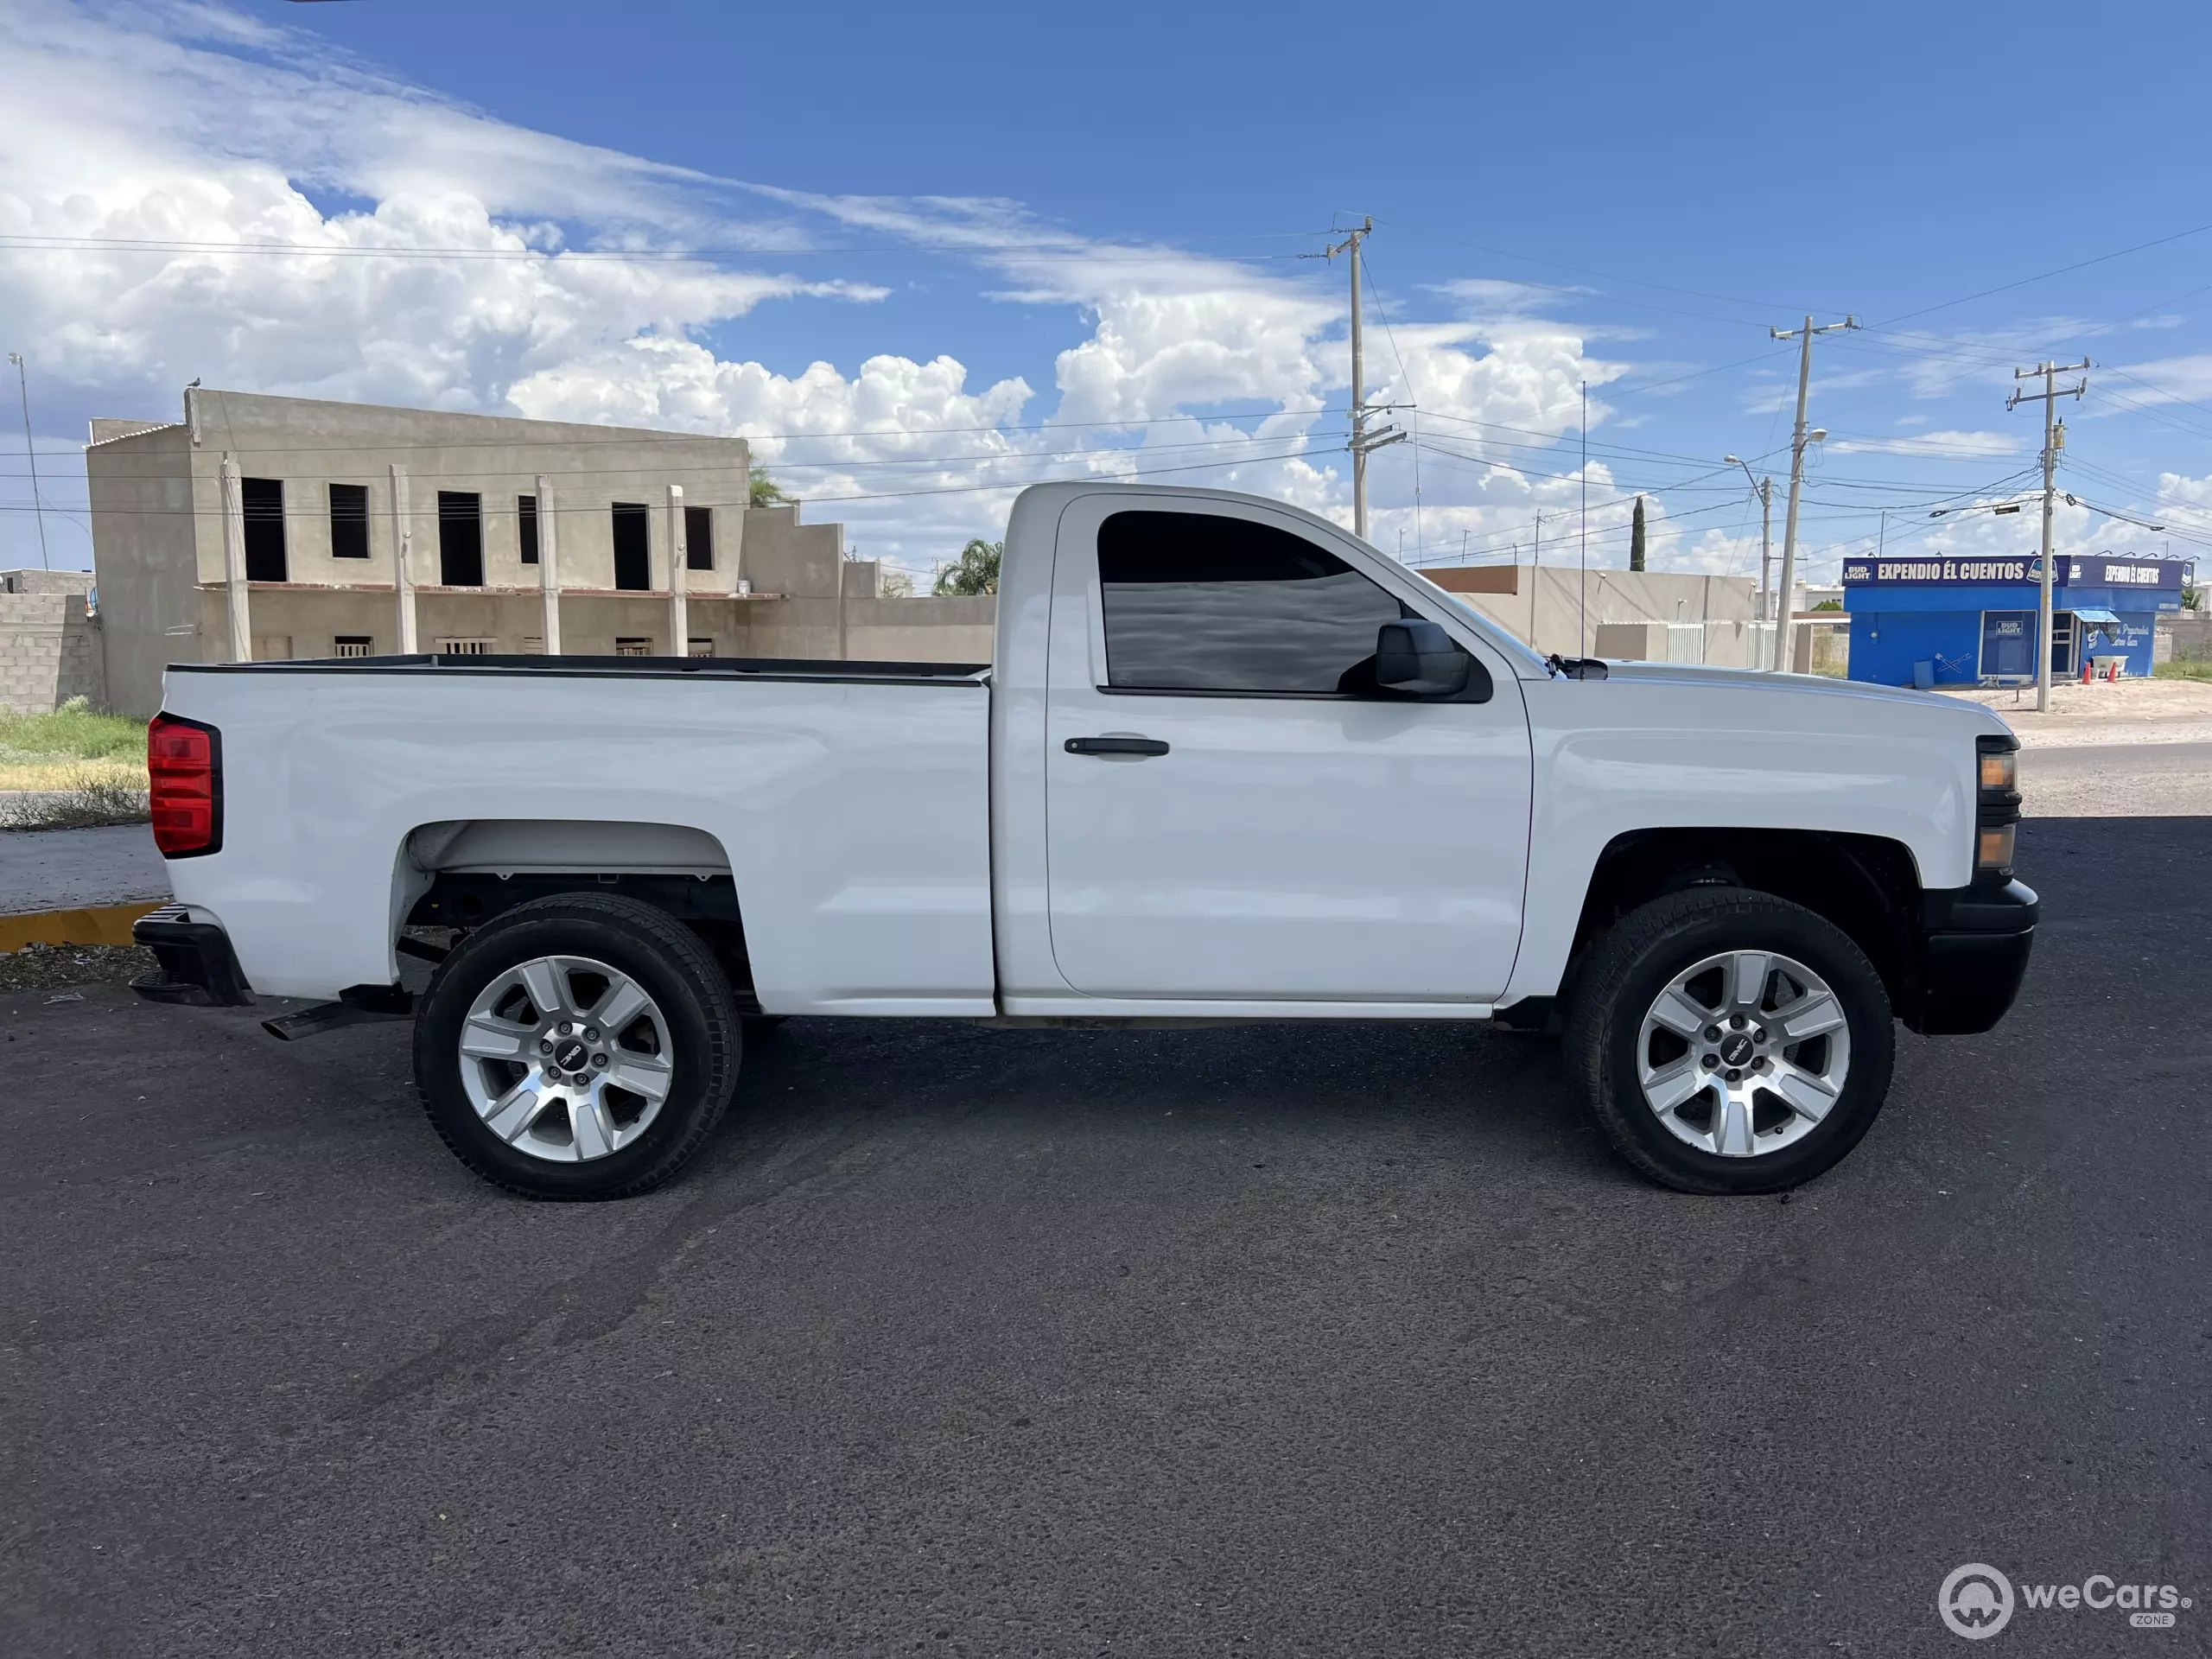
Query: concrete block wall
{"points": [[2184, 636], [49, 652], [46, 582]]}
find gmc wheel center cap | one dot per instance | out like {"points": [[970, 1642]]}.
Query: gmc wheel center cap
{"points": [[571, 1055], [1738, 1048]]}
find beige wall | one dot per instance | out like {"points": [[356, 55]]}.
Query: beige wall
{"points": [[158, 543], [145, 555], [928, 630], [1547, 606]]}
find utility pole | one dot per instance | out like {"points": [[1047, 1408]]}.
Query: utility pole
{"points": [[1763, 489], [549, 564], [1363, 440], [1799, 439], [234, 578], [1582, 583], [1535, 565], [403, 558], [30, 453], [680, 621], [2053, 436]]}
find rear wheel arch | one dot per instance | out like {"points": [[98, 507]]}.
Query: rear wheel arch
{"points": [[524, 1085], [461, 874]]}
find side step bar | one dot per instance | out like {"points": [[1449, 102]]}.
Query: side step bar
{"points": [[314, 1020]]}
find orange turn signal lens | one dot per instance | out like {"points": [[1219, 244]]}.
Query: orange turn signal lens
{"points": [[1999, 768], [1993, 847]]}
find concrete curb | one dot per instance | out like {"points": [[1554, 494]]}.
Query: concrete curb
{"points": [[100, 924]]}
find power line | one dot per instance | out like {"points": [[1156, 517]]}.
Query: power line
{"points": [[1096, 477], [2079, 264], [1072, 250]]}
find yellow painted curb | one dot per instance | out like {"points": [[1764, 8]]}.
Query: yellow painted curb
{"points": [[103, 924]]}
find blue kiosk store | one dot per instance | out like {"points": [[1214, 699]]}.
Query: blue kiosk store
{"points": [[1972, 621]]}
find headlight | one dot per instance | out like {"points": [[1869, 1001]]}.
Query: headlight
{"points": [[1997, 805]]}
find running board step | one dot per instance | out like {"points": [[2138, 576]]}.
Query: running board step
{"points": [[312, 1021]]}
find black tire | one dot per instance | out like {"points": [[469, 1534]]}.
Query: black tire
{"points": [[1631, 965], [666, 960]]}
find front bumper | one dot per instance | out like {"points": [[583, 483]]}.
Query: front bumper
{"points": [[197, 963], [1972, 952]]}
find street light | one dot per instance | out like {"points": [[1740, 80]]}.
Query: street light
{"points": [[30, 452]]}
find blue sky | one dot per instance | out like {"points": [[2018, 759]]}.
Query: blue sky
{"points": [[933, 253]]}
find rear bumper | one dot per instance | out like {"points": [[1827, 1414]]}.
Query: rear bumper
{"points": [[1973, 949], [197, 963]]}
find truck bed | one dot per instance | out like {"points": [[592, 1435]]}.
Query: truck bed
{"points": [[845, 803], [710, 668]]}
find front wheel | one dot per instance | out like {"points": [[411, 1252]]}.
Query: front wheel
{"points": [[1731, 1041], [579, 1047]]}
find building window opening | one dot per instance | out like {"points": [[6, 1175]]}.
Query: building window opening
{"points": [[526, 527], [627, 645], [633, 561], [461, 539], [264, 501], [472, 647], [702, 647], [349, 521], [355, 645], [698, 539]]}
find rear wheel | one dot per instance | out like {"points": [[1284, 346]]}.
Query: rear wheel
{"points": [[1731, 1041], [581, 1046]]}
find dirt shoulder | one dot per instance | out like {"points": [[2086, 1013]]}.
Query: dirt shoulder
{"points": [[2129, 711]]}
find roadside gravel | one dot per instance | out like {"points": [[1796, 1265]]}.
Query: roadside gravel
{"points": [[50, 967]]}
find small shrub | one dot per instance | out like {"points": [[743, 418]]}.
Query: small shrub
{"points": [[85, 803]]}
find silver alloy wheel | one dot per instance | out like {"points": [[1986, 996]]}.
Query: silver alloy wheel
{"points": [[566, 1058], [1744, 1053]]}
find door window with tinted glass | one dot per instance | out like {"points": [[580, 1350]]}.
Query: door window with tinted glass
{"points": [[1201, 602]]}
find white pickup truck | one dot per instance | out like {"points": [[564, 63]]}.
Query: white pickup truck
{"points": [[1231, 764]]}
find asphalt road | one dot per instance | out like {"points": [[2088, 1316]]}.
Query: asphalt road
{"points": [[62, 869], [1335, 1341], [2129, 780]]}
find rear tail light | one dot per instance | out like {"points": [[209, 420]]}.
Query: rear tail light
{"points": [[184, 766]]}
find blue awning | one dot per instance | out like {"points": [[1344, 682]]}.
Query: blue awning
{"points": [[2087, 613]]}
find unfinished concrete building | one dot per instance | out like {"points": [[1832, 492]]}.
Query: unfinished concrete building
{"points": [[261, 527]]}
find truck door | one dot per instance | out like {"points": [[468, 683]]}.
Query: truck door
{"points": [[1234, 808]]}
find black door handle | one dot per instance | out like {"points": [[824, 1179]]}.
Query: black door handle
{"points": [[1116, 746]]}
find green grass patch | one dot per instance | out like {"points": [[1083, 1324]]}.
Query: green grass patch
{"points": [[73, 732], [2200, 668]]}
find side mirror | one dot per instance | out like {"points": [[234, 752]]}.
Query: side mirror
{"points": [[1416, 656]]}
